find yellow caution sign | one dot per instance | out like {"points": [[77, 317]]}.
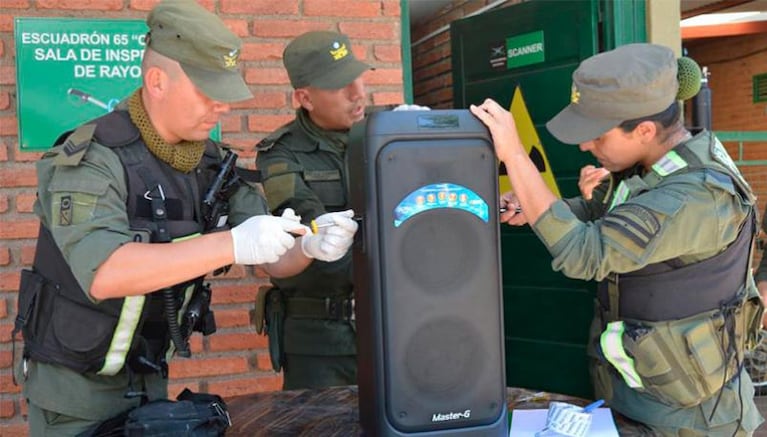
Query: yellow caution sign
{"points": [[529, 137]]}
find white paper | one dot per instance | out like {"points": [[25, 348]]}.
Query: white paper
{"points": [[525, 423]]}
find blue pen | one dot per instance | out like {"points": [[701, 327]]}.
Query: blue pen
{"points": [[593, 406], [587, 409]]}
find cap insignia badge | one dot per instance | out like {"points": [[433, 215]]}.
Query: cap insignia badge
{"points": [[230, 60], [575, 95], [339, 51]]}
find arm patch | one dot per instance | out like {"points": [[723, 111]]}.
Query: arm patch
{"points": [[633, 223], [279, 189], [76, 145], [634, 226]]}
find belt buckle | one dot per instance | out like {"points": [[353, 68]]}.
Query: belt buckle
{"points": [[330, 308], [343, 309]]}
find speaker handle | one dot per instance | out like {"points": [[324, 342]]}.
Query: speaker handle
{"points": [[359, 236]]}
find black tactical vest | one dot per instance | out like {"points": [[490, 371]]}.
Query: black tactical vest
{"points": [[60, 324], [670, 290]]}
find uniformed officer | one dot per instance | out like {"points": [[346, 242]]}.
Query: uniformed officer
{"points": [[668, 233], [310, 317], [761, 272], [97, 332]]}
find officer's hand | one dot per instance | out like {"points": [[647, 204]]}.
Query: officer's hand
{"points": [[513, 214], [290, 214], [590, 178], [335, 234], [501, 124], [406, 107], [264, 238]]}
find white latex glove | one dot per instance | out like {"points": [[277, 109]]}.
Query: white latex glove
{"points": [[406, 107], [335, 234], [290, 214], [264, 238]]}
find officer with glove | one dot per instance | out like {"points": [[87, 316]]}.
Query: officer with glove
{"points": [[124, 239], [310, 317]]}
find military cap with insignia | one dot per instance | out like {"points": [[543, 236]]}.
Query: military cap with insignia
{"points": [[206, 49], [626, 83], [322, 59]]}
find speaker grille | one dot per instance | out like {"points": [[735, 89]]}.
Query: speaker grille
{"points": [[439, 248], [441, 356]]}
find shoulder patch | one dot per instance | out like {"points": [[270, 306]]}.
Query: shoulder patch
{"points": [[76, 145], [719, 180]]}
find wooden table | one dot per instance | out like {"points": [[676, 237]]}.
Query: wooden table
{"points": [[332, 412]]}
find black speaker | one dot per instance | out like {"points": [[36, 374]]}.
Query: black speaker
{"points": [[427, 275]]}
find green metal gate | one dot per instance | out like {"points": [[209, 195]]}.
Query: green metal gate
{"points": [[534, 47]]}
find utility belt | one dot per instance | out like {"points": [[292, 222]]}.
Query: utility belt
{"points": [[330, 308], [272, 307], [682, 362]]}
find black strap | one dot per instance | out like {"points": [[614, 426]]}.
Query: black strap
{"points": [[329, 308], [155, 194]]}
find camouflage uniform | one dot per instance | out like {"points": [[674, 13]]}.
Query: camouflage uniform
{"points": [[94, 221], [669, 238], [756, 360], [310, 317], [98, 227], [306, 172], [683, 224]]}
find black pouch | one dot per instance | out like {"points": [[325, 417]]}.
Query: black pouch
{"points": [[29, 290], [275, 327], [192, 415]]}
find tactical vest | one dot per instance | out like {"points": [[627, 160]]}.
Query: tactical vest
{"points": [[678, 332], [60, 324]]}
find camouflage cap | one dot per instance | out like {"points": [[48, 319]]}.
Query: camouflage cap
{"points": [[323, 60], [208, 52], [629, 82]]}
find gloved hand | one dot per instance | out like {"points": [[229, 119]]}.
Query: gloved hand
{"points": [[264, 238], [335, 234], [290, 214], [406, 107]]}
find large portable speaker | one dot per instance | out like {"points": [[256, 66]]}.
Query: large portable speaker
{"points": [[427, 275]]}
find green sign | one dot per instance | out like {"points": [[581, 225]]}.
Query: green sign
{"points": [[69, 71], [525, 49]]}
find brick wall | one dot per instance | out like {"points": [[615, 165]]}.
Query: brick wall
{"points": [[732, 62], [234, 360], [432, 76]]}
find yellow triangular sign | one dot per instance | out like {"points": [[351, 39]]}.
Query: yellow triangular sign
{"points": [[532, 143]]}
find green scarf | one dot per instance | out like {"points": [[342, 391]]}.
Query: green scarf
{"points": [[183, 156]]}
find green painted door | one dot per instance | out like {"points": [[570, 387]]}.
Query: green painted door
{"points": [[535, 46]]}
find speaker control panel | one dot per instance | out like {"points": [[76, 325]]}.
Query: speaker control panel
{"points": [[440, 195]]}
